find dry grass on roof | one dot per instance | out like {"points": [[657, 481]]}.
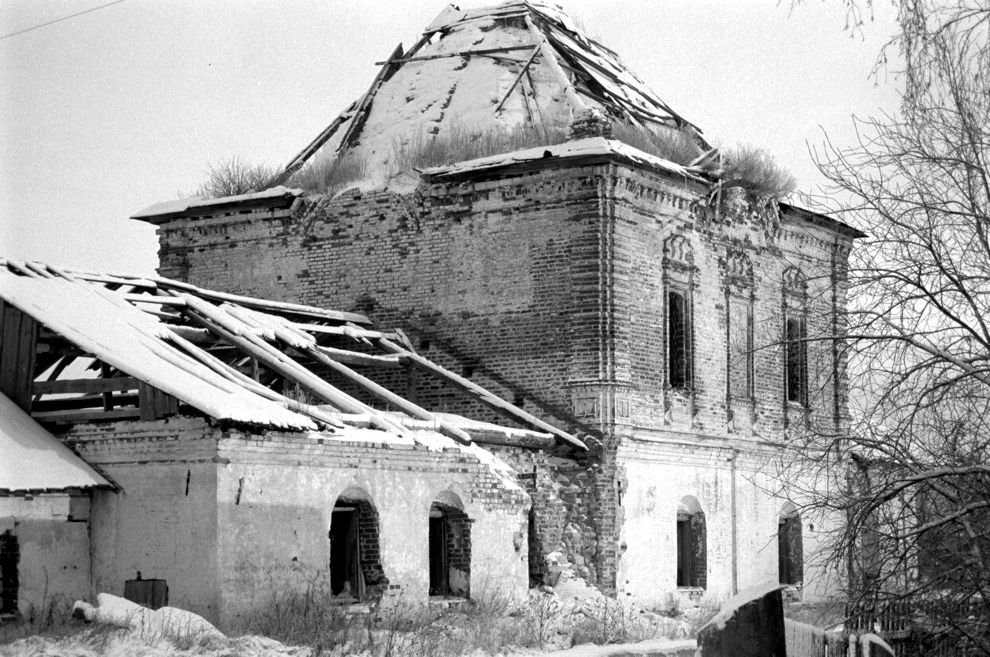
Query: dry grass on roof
{"points": [[670, 144]]}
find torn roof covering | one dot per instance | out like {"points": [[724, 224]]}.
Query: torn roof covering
{"points": [[591, 147], [200, 346], [517, 63], [35, 460]]}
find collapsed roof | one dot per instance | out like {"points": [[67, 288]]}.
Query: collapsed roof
{"points": [[151, 347], [513, 64]]}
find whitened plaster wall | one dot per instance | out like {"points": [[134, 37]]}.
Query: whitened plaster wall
{"points": [[162, 522], [275, 503], [53, 536], [659, 473]]}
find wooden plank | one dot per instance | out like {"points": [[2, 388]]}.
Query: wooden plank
{"points": [[84, 401], [10, 353], [27, 341], [145, 403], [73, 417], [112, 384]]}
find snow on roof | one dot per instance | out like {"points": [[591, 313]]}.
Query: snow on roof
{"points": [[589, 147], [516, 63], [231, 357], [33, 459], [159, 212]]}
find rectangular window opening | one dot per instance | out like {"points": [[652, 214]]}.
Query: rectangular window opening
{"points": [[678, 341], [797, 361]]}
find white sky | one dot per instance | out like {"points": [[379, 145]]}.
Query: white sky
{"points": [[109, 112]]}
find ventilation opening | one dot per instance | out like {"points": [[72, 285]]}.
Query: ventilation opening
{"points": [[536, 567], [692, 549], [356, 571], [10, 554], [450, 551], [790, 550]]}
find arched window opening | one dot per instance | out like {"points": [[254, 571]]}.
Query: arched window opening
{"points": [[450, 548], [790, 549], [692, 545], [356, 571]]}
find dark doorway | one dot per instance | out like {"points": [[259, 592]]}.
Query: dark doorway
{"points": [[10, 554], [450, 551], [356, 571], [692, 545], [438, 554], [790, 550], [344, 552]]}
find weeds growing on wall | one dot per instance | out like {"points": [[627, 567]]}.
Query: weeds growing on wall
{"points": [[755, 170], [329, 176], [458, 143], [672, 145]]}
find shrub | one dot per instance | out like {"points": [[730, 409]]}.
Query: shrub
{"points": [[757, 172], [236, 176], [670, 144]]}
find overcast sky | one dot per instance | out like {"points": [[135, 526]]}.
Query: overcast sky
{"points": [[119, 108]]}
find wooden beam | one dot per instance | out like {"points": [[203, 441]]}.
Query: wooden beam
{"points": [[460, 53], [390, 397], [536, 51], [490, 437], [361, 113], [225, 327], [357, 358], [497, 403], [86, 385], [61, 417]]}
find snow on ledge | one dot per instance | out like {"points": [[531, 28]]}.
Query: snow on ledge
{"points": [[588, 147]]}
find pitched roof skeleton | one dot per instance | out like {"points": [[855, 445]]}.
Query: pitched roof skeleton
{"points": [[449, 72], [189, 343]]}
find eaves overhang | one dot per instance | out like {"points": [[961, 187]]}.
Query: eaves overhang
{"points": [[277, 198]]}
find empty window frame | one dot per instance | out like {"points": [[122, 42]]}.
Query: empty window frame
{"points": [[678, 340], [692, 546], [790, 550], [796, 360]]}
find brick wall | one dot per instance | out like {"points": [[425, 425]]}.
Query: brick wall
{"points": [[548, 287]]}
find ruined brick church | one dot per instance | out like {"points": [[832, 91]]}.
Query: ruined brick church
{"points": [[651, 310]]}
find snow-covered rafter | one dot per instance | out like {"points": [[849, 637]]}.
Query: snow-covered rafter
{"points": [[516, 63], [79, 346]]}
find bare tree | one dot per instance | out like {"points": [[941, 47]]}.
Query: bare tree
{"points": [[915, 463]]}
